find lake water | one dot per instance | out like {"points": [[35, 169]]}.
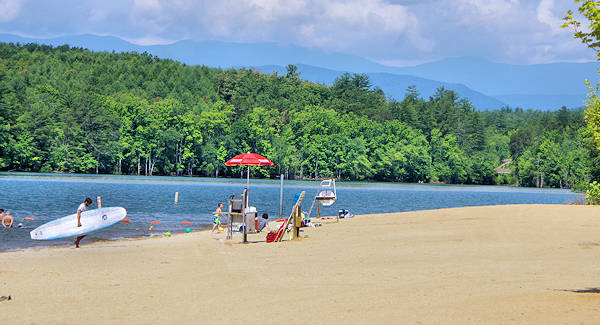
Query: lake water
{"points": [[47, 197]]}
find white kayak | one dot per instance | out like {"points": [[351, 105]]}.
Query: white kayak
{"points": [[92, 220]]}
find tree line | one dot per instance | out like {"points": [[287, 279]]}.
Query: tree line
{"points": [[65, 109]]}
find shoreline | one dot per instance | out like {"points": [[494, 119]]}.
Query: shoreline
{"points": [[273, 224], [275, 179], [471, 265], [207, 227], [96, 241]]}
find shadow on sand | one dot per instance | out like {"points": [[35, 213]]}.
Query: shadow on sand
{"points": [[586, 290]]}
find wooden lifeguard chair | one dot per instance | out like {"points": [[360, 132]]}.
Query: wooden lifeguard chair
{"points": [[326, 196]]}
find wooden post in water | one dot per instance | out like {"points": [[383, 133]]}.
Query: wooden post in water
{"points": [[281, 198], [176, 197], [337, 212], [319, 209], [99, 202]]}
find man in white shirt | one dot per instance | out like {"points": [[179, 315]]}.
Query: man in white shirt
{"points": [[82, 208]]}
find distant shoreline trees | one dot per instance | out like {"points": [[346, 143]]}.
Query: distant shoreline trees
{"points": [[68, 109]]}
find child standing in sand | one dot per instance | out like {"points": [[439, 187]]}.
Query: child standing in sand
{"points": [[217, 217]]}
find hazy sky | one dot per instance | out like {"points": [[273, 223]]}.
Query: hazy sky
{"points": [[395, 32]]}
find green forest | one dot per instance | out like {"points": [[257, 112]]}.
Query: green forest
{"points": [[66, 109]]}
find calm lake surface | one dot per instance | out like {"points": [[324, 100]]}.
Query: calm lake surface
{"points": [[46, 197]]}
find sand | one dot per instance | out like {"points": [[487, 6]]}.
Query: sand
{"points": [[518, 264]]}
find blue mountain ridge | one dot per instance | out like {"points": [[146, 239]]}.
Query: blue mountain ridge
{"points": [[498, 79], [392, 84], [487, 84]]}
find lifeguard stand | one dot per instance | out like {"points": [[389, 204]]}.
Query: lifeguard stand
{"points": [[240, 213], [326, 196]]}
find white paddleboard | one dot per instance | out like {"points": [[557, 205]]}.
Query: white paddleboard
{"points": [[91, 220]]}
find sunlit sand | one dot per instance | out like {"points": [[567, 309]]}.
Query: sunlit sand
{"points": [[526, 264]]}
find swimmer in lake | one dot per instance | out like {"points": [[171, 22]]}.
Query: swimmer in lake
{"points": [[7, 219]]}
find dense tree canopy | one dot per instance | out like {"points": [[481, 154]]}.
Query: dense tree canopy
{"points": [[71, 110], [590, 36]]}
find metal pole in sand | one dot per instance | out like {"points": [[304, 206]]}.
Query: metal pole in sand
{"points": [[245, 202], [281, 198], [176, 197], [99, 202]]}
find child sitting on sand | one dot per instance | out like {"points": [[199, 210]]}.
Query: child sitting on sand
{"points": [[263, 223]]}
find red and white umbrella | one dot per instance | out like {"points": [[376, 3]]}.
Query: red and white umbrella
{"points": [[249, 159]]}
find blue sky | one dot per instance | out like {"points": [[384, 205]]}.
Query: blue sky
{"points": [[393, 32]]}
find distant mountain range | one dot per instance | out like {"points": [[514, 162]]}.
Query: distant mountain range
{"points": [[393, 85], [488, 85]]}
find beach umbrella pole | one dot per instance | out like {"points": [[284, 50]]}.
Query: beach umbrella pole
{"points": [[248, 159], [247, 182]]}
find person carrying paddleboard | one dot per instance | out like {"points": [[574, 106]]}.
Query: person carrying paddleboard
{"points": [[82, 208]]}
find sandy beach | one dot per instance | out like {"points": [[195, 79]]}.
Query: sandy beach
{"points": [[517, 264]]}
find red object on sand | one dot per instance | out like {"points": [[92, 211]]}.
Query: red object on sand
{"points": [[28, 218], [155, 222], [280, 231], [125, 221], [271, 236], [249, 158], [280, 220]]}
